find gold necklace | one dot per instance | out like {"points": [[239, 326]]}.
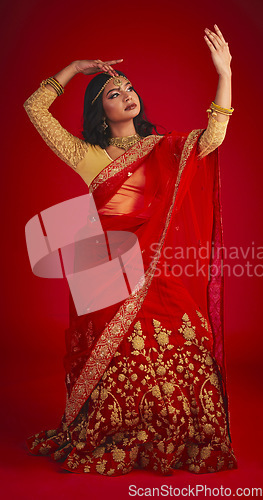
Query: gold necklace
{"points": [[124, 142]]}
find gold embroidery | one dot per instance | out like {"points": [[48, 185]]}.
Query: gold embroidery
{"points": [[193, 450], [44, 449], [138, 342], [186, 329], [65, 145], [156, 392], [208, 429], [212, 137], [168, 388], [125, 161], [51, 432], [118, 455], [73, 461], [99, 452], [208, 360], [204, 321], [80, 446], [100, 467], [142, 435], [161, 370]]}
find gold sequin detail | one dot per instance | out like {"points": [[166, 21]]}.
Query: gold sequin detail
{"points": [[66, 146], [212, 137]]}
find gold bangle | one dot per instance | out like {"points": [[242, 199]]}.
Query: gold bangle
{"points": [[58, 87], [54, 83], [214, 112], [227, 111]]}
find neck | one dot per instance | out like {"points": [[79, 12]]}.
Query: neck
{"points": [[122, 129]]}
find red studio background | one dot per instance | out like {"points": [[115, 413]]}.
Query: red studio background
{"points": [[168, 61]]}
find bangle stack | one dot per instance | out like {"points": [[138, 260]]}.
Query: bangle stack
{"points": [[214, 109], [54, 83]]}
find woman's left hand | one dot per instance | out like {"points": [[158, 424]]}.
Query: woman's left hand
{"points": [[219, 50]]}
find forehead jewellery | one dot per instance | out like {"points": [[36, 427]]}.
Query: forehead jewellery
{"points": [[116, 81]]}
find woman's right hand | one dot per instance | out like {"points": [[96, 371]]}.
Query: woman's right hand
{"points": [[87, 68], [90, 67]]}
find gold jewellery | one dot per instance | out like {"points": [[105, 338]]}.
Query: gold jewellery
{"points": [[54, 83], [124, 142], [215, 108], [116, 81]]}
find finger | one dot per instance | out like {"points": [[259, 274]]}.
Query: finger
{"points": [[219, 33], [213, 38], [114, 61], [109, 68], [113, 71], [104, 68], [110, 71], [210, 45]]}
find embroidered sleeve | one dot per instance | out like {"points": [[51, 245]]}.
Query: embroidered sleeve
{"points": [[69, 148], [212, 137]]}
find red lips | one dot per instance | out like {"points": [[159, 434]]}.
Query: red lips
{"points": [[131, 106]]}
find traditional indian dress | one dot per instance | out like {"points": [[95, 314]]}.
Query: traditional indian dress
{"points": [[145, 378]]}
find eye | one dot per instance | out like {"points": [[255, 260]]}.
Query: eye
{"points": [[112, 96], [115, 94]]}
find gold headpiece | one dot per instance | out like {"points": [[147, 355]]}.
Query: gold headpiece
{"points": [[116, 81]]}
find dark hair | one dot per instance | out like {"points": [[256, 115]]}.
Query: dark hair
{"points": [[93, 114]]}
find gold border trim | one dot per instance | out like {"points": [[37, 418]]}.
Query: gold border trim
{"points": [[135, 152]]}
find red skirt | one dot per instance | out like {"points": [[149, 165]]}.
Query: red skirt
{"points": [[159, 405]]}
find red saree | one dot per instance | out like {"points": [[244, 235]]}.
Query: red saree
{"points": [[145, 378]]}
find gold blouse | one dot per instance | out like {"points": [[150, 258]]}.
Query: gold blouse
{"points": [[86, 159]]}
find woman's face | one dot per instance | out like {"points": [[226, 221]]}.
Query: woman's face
{"points": [[120, 103]]}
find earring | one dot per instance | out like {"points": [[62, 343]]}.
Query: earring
{"points": [[104, 124]]}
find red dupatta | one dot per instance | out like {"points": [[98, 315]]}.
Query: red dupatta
{"points": [[169, 198]]}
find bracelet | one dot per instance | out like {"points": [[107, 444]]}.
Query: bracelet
{"points": [[54, 83], [214, 113], [215, 108]]}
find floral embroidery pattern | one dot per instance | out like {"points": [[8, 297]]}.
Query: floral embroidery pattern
{"points": [[158, 406]]}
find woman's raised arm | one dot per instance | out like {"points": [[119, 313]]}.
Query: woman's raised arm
{"points": [[66, 146], [87, 67], [215, 132], [221, 58]]}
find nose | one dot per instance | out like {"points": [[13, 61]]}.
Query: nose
{"points": [[126, 95]]}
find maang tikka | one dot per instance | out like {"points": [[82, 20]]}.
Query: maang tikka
{"points": [[116, 81]]}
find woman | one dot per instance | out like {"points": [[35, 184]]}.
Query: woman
{"points": [[145, 377]]}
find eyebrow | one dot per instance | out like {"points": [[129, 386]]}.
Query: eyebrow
{"points": [[128, 83]]}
